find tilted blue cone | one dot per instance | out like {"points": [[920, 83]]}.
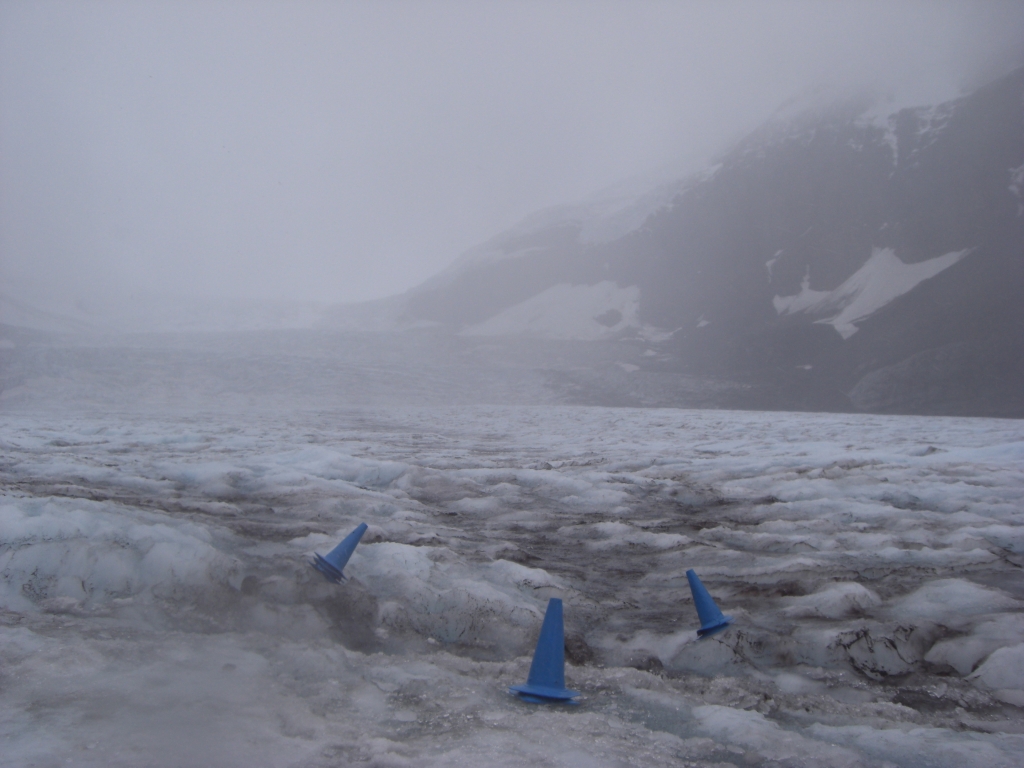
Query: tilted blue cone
{"points": [[546, 683], [332, 564], [711, 619]]}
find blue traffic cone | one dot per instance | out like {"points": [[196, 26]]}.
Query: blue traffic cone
{"points": [[711, 619], [332, 564], [546, 683]]}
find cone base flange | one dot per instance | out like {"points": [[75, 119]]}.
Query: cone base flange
{"points": [[330, 573], [539, 694], [714, 629]]}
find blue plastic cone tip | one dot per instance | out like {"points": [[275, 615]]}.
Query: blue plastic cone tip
{"points": [[711, 618], [546, 683], [332, 564]]}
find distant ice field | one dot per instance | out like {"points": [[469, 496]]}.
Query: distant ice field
{"points": [[157, 607]]}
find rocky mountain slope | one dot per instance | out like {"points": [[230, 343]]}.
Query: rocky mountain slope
{"points": [[837, 259]]}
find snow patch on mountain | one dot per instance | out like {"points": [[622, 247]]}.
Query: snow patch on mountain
{"points": [[881, 115], [889, 137], [931, 121], [882, 279], [1017, 186], [564, 311], [807, 298]]}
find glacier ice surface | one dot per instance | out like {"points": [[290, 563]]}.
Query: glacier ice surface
{"points": [[156, 607]]}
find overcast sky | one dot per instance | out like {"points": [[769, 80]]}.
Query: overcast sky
{"points": [[343, 151]]}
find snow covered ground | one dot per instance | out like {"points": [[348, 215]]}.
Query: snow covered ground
{"points": [[156, 606]]}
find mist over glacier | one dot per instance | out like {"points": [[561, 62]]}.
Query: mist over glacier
{"points": [[562, 300]]}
